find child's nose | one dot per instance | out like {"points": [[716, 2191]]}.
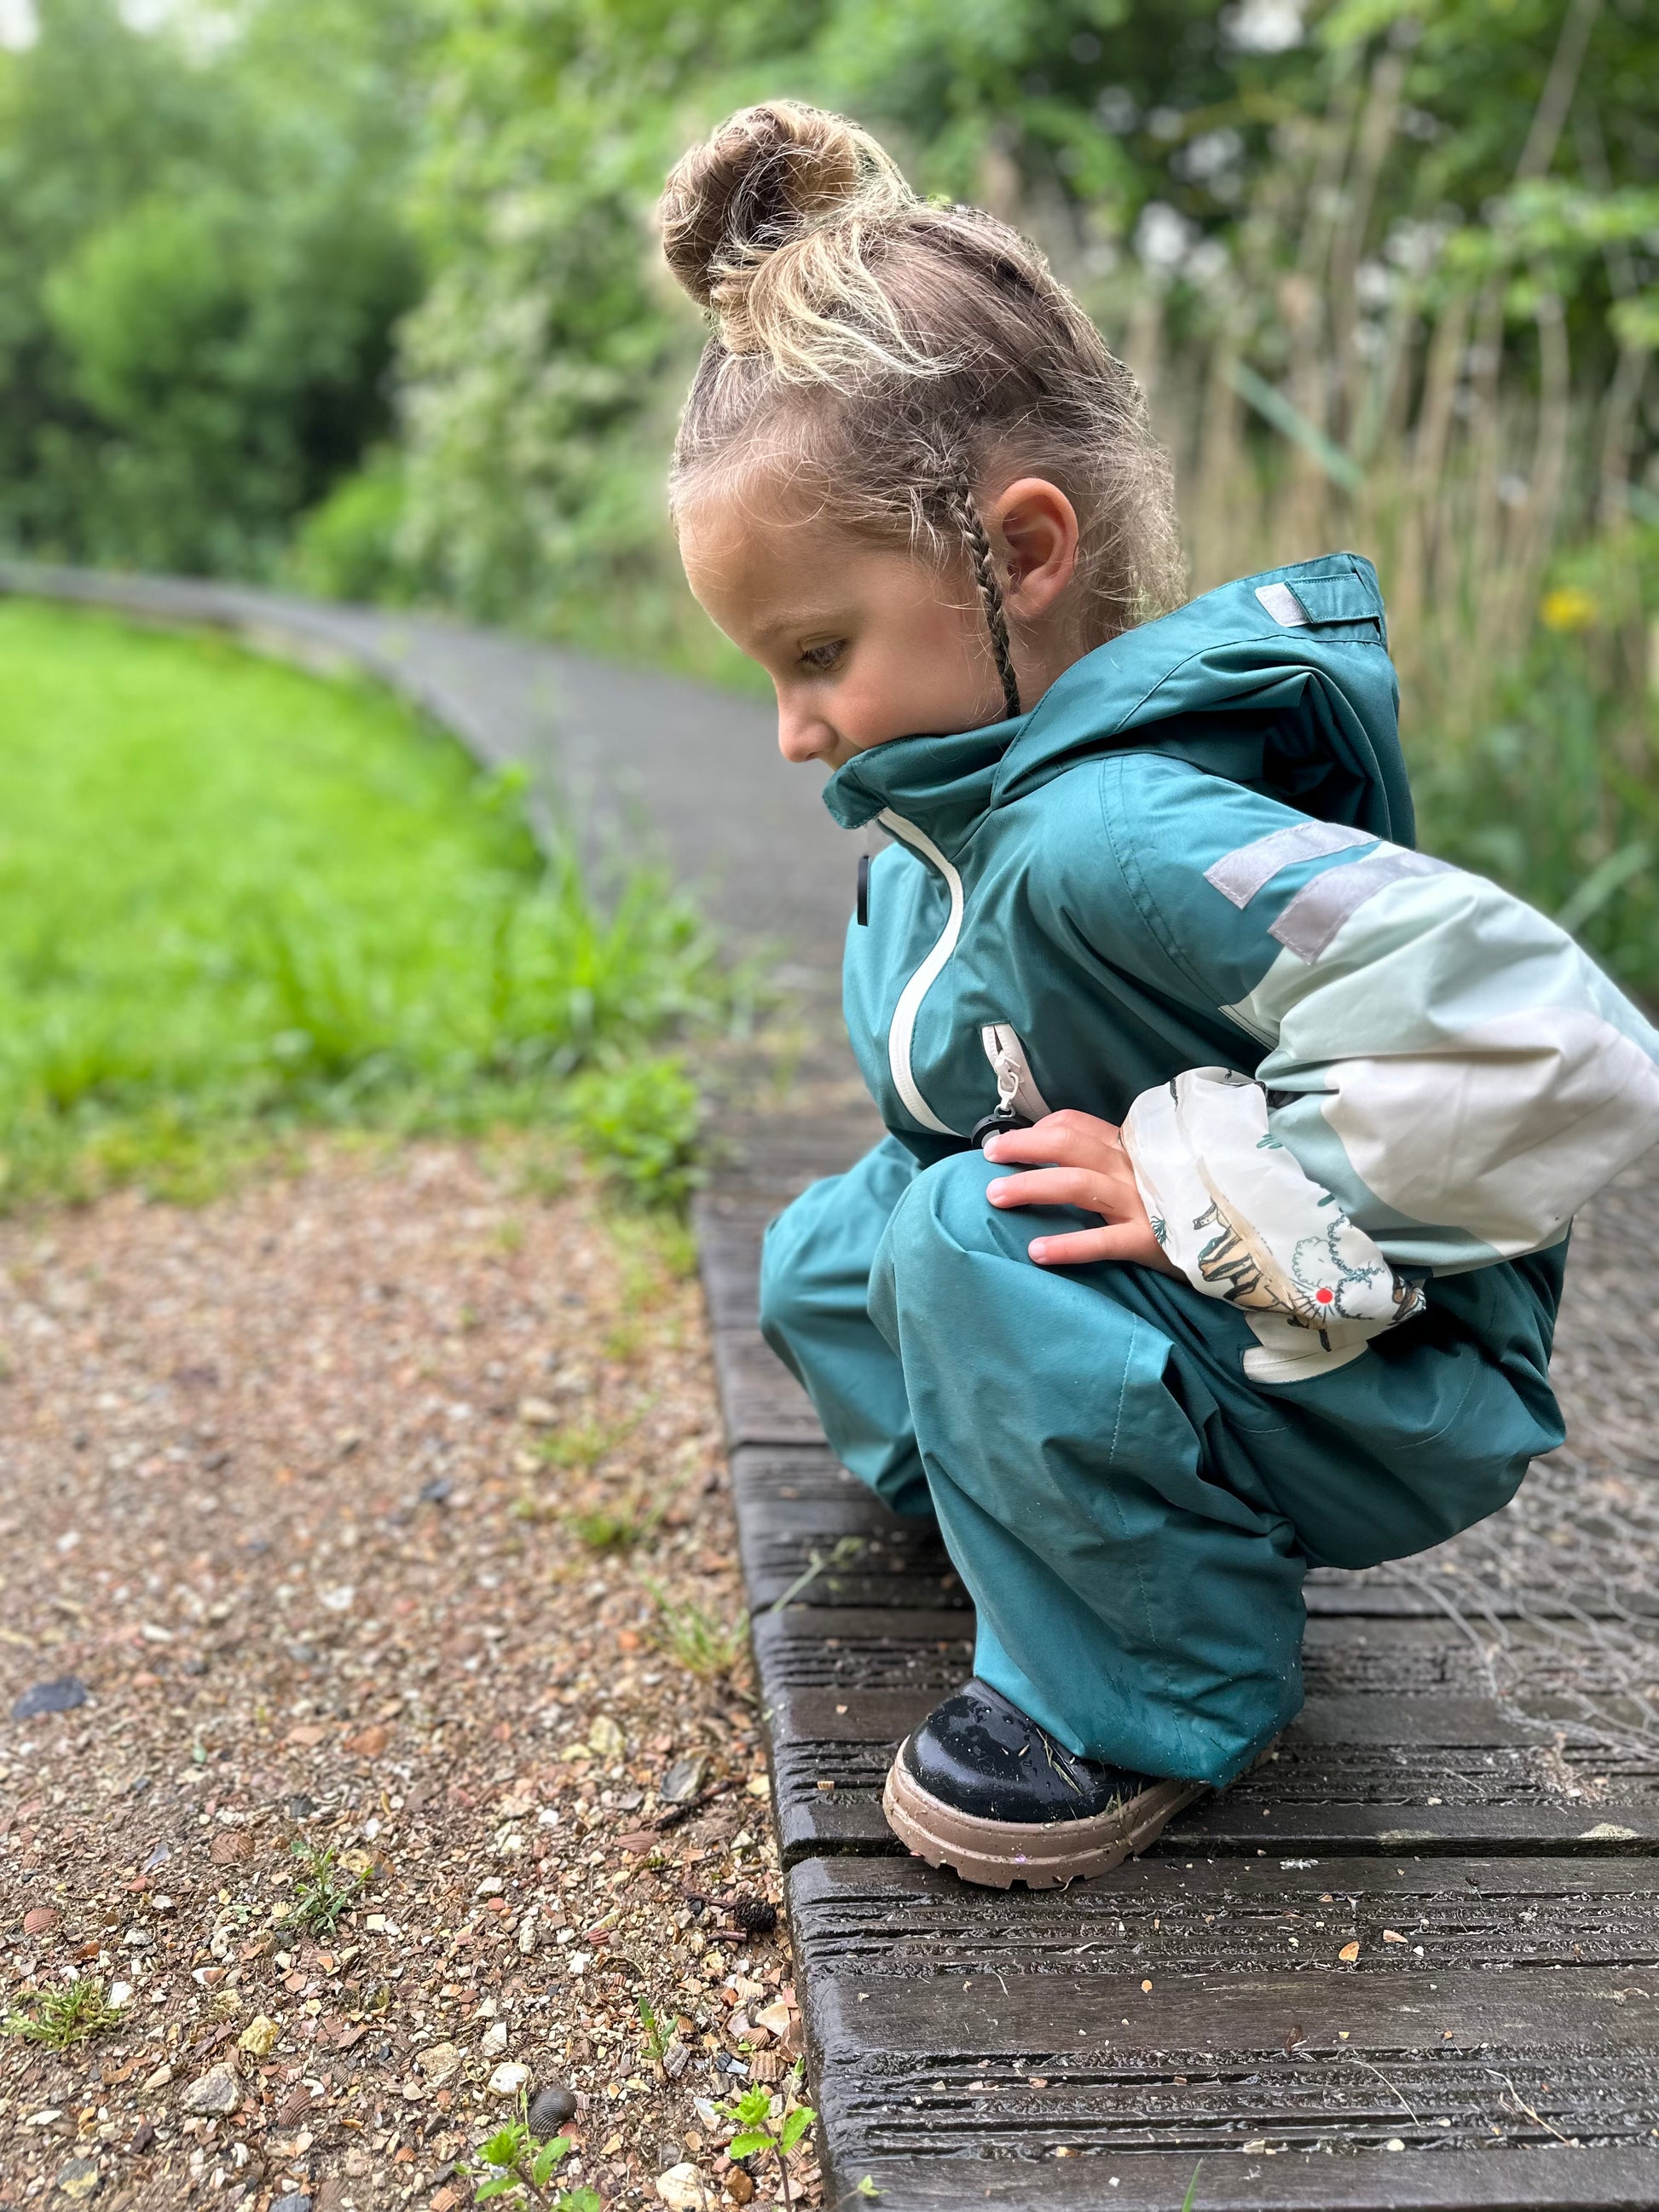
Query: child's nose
{"points": [[802, 735]]}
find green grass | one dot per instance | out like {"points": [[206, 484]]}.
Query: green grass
{"points": [[236, 900], [324, 1891], [65, 2016]]}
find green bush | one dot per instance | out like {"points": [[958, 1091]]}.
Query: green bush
{"points": [[203, 255], [639, 1123], [349, 545]]}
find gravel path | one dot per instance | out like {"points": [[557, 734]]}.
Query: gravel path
{"points": [[307, 1498]]}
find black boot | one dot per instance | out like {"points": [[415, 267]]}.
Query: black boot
{"points": [[981, 1788]]}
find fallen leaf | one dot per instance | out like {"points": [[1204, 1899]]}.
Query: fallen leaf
{"points": [[1390, 1937], [1349, 1953]]}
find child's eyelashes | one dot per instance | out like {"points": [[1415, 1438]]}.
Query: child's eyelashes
{"points": [[821, 659]]}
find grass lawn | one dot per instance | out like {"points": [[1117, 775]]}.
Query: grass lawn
{"points": [[236, 899]]}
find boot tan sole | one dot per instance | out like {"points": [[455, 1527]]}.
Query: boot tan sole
{"points": [[998, 1853]]}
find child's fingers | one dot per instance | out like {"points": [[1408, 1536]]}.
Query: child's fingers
{"points": [[1082, 1187], [1125, 1241], [1070, 1139]]}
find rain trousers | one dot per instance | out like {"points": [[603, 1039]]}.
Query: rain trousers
{"points": [[1363, 1093]]}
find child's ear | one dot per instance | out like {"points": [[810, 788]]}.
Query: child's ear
{"points": [[1034, 527]]}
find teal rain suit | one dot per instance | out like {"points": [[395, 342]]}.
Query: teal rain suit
{"points": [[1363, 1093]]}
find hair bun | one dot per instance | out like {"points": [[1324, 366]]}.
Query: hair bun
{"points": [[766, 176]]}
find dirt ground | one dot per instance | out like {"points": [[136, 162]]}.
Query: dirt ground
{"points": [[370, 1528]]}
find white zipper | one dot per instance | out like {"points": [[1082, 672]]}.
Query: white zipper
{"points": [[903, 1030], [1017, 1091]]}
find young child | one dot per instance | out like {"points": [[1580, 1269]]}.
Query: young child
{"points": [[1234, 1145]]}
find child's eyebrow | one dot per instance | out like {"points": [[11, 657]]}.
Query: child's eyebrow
{"points": [[805, 618]]}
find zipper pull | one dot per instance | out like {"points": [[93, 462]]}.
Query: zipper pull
{"points": [[1006, 1115], [861, 907]]}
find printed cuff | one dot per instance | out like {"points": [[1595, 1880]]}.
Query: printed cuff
{"points": [[1235, 1211]]}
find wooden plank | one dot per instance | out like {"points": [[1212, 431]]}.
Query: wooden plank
{"points": [[1555, 2179], [761, 1401], [1156, 1917], [810, 1529], [1162, 2013], [1360, 1771], [1203, 2066]]}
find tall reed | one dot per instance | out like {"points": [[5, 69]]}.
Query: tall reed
{"points": [[1340, 387]]}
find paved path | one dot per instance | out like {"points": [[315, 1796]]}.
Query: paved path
{"points": [[1413, 1960]]}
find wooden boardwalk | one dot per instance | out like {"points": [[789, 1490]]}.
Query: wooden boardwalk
{"points": [[1470, 1797]]}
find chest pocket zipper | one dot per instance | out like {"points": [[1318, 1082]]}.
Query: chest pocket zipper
{"points": [[1019, 1102]]}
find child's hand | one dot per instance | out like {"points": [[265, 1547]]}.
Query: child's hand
{"points": [[1084, 1164]]}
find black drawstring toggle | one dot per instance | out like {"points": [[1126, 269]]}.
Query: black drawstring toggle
{"points": [[862, 908]]}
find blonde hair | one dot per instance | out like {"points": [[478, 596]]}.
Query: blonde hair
{"points": [[896, 355]]}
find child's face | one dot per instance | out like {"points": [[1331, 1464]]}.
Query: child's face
{"points": [[862, 641]]}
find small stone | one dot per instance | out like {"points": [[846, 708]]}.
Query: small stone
{"points": [[605, 1738], [61, 1695], [684, 1779], [41, 1919], [296, 2201], [369, 1743], [507, 2081], [160, 2078], [550, 2108], [258, 2038], [216, 2092], [538, 1413], [142, 2137], [439, 2061], [740, 2186], [78, 2179], [299, 1807], [683, 2189], [776, 2019], [495, 2039], [230, 1847], [120, 1994]]}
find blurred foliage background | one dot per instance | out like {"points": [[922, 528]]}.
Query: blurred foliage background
{"points": [[361, 296]]}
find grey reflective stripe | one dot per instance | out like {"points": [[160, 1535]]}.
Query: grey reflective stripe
{"points": [[1319, 909], [1239, 876], [1282, 604]]}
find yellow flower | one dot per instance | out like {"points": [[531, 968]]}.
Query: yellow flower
{"points": [[1569, 607]]}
